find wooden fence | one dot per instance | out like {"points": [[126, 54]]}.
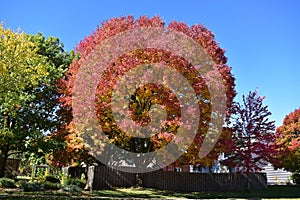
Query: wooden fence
{"points": [[101, 177], [105, 177], [190, 182]]}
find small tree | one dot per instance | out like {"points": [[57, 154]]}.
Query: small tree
{"points": [[253, 135], [288, 143]]}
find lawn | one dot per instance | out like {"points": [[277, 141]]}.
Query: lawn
{"points": [[273, 192]]}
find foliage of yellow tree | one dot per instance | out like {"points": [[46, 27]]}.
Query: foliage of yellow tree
{"points": [[27, 76]]}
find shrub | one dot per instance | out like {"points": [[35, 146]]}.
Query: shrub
{"points": [[32, 186], [51, 186], [75, 181], [72, 188], [296, 178], [52, 179], [21, 183], [37, 186], [7, 183]]}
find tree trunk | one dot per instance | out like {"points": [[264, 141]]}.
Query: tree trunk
{"points": [[3, 159]]}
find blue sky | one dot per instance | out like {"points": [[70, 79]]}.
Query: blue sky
{"points": [[261, 37]]}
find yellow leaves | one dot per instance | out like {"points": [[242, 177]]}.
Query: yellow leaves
{"points": [[14, 42], [3, 68], [21, 66], [42, 70]]}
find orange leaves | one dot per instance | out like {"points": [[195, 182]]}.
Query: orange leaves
{"points": [[293, 117], [145, 97], [288, 142]]}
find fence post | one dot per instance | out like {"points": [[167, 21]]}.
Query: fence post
{"points": [[139, 180], [90, 178]]}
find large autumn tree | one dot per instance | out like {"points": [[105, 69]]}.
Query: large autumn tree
{"points": [[147, 96], [288, 143], [253, 135], [29, 68]]}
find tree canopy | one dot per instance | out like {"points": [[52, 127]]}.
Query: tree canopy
{"points": [[146, 96], [253, 135], [288, 142], [29, 68]]}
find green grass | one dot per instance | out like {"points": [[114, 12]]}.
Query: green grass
{"points": [[273, 192]]}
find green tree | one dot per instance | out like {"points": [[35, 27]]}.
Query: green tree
{"points": [[29, 68]]}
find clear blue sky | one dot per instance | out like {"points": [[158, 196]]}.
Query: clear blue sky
{"points": [[261, 37]]}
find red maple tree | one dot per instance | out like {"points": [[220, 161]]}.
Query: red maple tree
{"points": [[148, 95], [253, 135], [288, 143]]}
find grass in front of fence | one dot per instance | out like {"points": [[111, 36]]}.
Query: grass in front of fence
{"points": [[274, 192], [271, 192]]}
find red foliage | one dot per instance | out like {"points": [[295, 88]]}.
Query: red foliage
{"points": [[253, 135], [288, 142], [114, 26]]}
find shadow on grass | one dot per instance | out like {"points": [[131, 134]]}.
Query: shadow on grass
{"points": [[271, 192], [274, 192]]}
